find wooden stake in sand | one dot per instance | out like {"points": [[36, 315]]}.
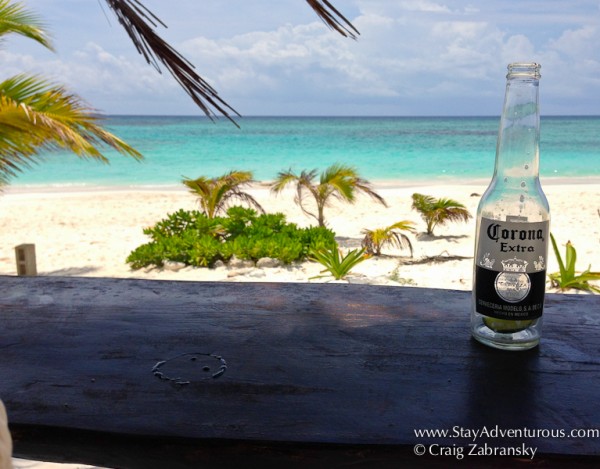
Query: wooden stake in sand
{"points": [[26, 264]]}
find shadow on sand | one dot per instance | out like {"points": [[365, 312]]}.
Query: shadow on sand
{"points": [[71, 271]]}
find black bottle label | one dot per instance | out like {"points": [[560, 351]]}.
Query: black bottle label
{"points": [[510, 269]]}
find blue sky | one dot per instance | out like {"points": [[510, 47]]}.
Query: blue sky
{"points": [[275, 57]]}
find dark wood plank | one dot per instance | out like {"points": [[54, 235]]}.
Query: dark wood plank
{"points": [[306, 363]]}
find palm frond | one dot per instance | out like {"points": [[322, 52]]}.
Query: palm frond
{"points": [[346, 182], [340, 187], [439, 211], [248, 199], [365, 187], [333, 18], [451, 210], [337, 265], [14, 18], [140, 24], [376, 239], [215, 194], [282, 180], [422, 203], [305, 182], [337, 171], [36, 115]]}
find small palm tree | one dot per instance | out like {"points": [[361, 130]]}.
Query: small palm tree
{"points": [[439, 211], [392, 235], [338, 181], [37, 115], [337, 264], [216, 194]]}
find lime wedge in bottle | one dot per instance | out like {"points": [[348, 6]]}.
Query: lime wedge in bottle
{"points": [[506, 326]]}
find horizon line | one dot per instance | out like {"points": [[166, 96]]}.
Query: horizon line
{"points": [[432, 116]]}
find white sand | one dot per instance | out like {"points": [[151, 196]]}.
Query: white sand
{"points": [[90, 233]]}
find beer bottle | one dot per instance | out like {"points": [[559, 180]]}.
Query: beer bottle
{"points": [[512, 226]]}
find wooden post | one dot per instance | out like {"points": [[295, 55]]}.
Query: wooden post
{"points": [[26, 264]]}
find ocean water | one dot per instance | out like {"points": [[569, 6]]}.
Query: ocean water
{"points": [[414, 149]]}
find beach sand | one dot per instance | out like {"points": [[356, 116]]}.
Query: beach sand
{"points": [[91, 232]]}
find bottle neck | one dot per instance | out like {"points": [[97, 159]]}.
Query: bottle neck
{"points": [[517, 151]]}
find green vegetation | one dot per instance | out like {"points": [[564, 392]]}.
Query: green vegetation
{"points": [[37, 115], [338, 182], [395, 276], [192, 238], [439, 211], [567, 277], [216, 194], [337, 265], [392, 235]]}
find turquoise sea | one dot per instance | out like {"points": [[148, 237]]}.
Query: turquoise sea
{"points": [[414, 149]]}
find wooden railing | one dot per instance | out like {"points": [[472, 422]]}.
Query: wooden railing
{"points": [[133, 373]]}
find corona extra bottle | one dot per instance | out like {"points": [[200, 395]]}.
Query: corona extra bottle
{"points": [[513, 226]]}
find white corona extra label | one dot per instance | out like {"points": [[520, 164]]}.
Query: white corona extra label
{"points": [[510, 273]]}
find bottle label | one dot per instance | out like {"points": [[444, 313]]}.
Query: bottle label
{"points": [[510, 268]]}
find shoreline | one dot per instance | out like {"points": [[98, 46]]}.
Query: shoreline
{"points": [[377, 184]]}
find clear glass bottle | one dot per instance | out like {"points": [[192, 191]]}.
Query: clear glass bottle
{"points": [[513, 226]]}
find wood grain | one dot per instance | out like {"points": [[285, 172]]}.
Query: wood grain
{"points": [[330, 364]]}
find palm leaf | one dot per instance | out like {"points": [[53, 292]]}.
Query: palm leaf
{"points": [[561, 265], [335, 182], [339, 267], [570, 259], [350, 260], [339, 187], [333, 18], [14, 18], [140, 24], [305, 183], [439, 211], [451, 210], [422, 203], [282, 180], [36, 115], [374, 240], [215, 194]]}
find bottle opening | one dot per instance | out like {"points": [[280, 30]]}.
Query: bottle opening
{"points": [[524, 70]]}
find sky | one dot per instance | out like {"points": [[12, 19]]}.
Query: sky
{"points": [[276, 57]]}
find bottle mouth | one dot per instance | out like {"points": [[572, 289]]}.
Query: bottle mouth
{"points": [[524, 70]]}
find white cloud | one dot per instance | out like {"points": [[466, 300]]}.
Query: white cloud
{"points": [[94, 74], [407, 50], [580, 42], [432, 53]]}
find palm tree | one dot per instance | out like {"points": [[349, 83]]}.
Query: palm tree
{"points": [[439, 211], [215, 194], [36, 115], [140, 24], [392, 235], [336, 182]]}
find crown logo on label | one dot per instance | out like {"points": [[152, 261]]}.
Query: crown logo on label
{"points": [[514, 265]]}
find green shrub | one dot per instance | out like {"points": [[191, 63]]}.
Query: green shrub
{"points": [[194, 239]]}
